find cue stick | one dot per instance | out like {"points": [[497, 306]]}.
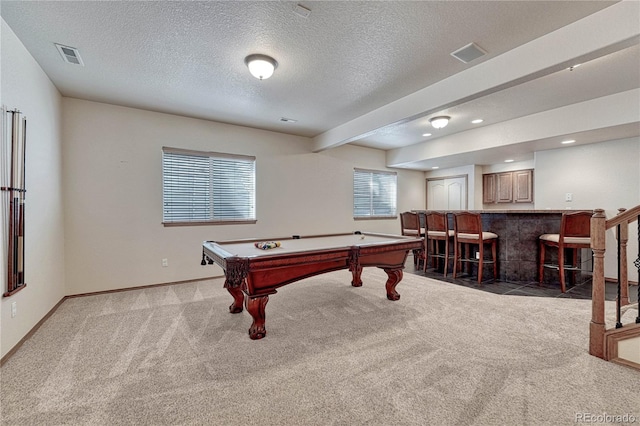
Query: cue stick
{"points": [[15, 216]]}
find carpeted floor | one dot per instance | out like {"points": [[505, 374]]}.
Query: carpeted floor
{"points": [[333, 355]]}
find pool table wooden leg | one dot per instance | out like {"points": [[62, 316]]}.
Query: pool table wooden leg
{"points": [[256, 307], [238, 298], [356, 272], [395, 275]]}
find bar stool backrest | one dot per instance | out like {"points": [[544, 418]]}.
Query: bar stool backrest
{"points": [[410, 224], [575, 224], [437, 221], [467, 223]]}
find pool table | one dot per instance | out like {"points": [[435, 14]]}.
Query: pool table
{"points": [[257, 273]]}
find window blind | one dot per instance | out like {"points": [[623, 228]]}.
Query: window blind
{"points": [[374, 194], [207, 187]]}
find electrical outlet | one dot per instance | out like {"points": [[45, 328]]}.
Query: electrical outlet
{"points": [[14, 309], [568, 196], [165, 263]]}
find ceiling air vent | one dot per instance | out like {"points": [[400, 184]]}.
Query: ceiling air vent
{"points": [[468, 53], [69, 54], [302, 11]]}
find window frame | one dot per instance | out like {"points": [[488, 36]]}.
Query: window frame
{"points": [[210, 155], [371, 216]]}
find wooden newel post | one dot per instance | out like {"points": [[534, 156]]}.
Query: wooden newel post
{"points": [[597, 326]]}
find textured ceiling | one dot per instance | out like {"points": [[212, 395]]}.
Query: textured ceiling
{"points": [[346, 59]]}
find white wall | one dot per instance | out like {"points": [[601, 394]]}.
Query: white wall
{"points": [[601, 175], [604, 175], [25, 87], [114, 237]]}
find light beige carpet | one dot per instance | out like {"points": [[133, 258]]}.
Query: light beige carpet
{"points": [[333, 355]]}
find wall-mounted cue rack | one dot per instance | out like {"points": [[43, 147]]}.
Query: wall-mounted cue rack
{"points": [[14, 139]]}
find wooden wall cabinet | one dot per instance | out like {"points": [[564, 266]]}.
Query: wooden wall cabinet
{"points": [[505, 187], [523, 186], [508, 187], [489, 189]]}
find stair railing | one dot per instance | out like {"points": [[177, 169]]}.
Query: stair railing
{"points": [[599, 226]]}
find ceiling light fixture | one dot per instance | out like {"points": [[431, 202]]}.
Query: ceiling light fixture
{"points": [[426, 135], [508, 161], [439, 122], [477, 121], [568, 141], [261, 66]]}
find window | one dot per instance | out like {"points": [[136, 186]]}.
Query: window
{"points": [[207, 187], [374, 194]]}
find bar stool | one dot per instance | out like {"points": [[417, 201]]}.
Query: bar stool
{"points": [[575, 234], [437, 226], [410, 226], [467, 229]]}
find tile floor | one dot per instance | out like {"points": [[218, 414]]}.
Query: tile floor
{"points": [[581, 290]]}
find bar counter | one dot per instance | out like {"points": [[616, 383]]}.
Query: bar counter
{"points": [[518, 232]]}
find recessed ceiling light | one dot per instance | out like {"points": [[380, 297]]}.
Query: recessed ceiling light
{"points": [[572, 67], [509, 160], [477, 121], [426, 134], [568, 141], [435, 167], [288, 120]]}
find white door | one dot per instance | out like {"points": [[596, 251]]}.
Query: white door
{"points": [[436, 197], [447, 193]]}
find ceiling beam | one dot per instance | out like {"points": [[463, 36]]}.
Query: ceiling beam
{"points": [[601, 33], [548, 126]]}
